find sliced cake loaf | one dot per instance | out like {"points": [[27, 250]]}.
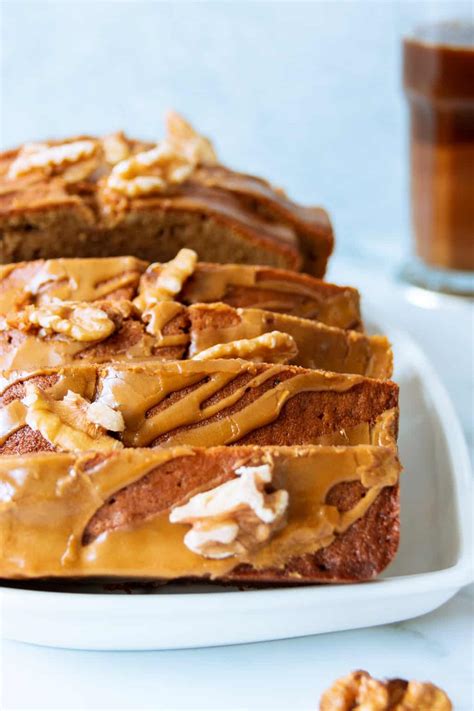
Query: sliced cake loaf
{"points": [[88, 197], [253, 515], [318, 346], [202, 403], [58, 333], [280, 290]]}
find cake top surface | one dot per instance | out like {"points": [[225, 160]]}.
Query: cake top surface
{"points": [[108, 176]]}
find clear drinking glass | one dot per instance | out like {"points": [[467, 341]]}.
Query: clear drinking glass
{"points": [[438, 78]]}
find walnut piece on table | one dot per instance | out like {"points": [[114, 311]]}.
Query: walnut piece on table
{"points": [[358, 691]]}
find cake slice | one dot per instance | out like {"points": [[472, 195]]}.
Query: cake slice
{"points": [[317, 346], [58, 333], [252, 515], [279, 290], [201, 403], [89, 197], [113, 278]]}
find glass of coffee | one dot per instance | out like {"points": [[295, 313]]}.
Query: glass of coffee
{"points": [[438, 78]]}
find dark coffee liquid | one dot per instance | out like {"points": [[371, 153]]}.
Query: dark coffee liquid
{"points": [[438, 70]]}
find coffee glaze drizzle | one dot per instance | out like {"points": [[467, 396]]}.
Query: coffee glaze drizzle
{"points": [[137, 397], [48, 501], [185, 402], [69, 280]]}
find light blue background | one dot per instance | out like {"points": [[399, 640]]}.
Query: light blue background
{"points": [[306, 94]]}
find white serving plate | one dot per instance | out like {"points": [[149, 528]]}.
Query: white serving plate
{"points": [[433, 563]]}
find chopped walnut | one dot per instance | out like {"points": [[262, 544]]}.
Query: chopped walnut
{"points": [[105, 416], [198, 148], [423, 696], [234, 518], [77, 320], [116, 148], [360, 692], [134, 176], [170, 162], [162, 282], [41, 157], [273, 347], [65, 423]]}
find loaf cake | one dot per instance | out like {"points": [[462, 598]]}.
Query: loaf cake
{"points": [[89, 197], [267, 515], [359, 691], [62, 332], [174, 419], [113, 278], [200, 403]]}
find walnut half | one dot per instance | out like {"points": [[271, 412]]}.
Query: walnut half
{"points": [[169, 162], [163, 282], [273, 347], [77, 320], [68, 424], [45, 158], [234, 518], [359, 691]]}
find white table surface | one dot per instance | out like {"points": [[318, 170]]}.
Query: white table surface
{"points": [[288, 674]]}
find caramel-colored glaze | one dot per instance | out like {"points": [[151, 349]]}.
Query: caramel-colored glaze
{"points": [[68, 279], [193, 197], [31, 351], [311, 224], [138, 396], [439, 82], [48, 499], [145, 395]]}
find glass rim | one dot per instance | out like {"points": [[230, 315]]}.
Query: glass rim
{"points": [[456, 34]]}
